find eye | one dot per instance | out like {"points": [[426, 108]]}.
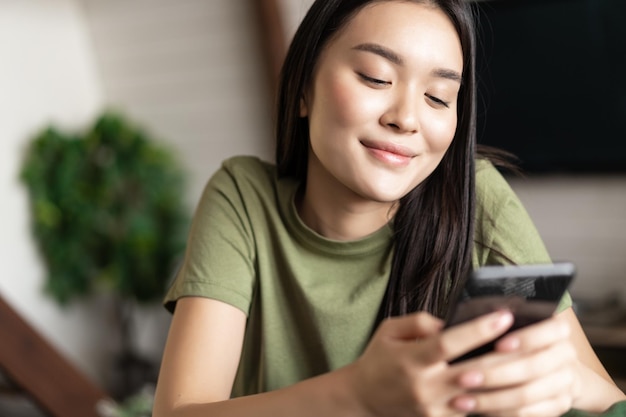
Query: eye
{"points": [[438, 101], [374, 81]]}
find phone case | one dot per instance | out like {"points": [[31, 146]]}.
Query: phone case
{"points": [[531, 292]]}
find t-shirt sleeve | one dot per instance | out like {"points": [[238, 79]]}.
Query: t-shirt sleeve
{"points": [[219, 258], [505, 233]]}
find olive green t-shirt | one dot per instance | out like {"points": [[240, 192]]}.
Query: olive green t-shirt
{"points": [[312, 302]]}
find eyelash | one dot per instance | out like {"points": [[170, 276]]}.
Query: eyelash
{"points": [[374, 81], [438, 101], [378, 82]]}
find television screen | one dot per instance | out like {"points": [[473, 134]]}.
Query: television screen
{"points": [[552, 83]]}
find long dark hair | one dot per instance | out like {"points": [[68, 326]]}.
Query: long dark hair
{"points": [[433, 225]]}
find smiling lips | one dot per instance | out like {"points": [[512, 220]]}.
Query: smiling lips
{"points": [[389, 153]]}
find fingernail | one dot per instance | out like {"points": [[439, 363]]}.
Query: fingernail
{"points": [[502, 320], [471, 379], [464, 403]]}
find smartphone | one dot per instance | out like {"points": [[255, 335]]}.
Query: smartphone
{"points": [[531, 292]]}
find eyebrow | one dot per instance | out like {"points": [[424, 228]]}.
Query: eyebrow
{"points": [[448, 74], [380, 50], [393, 57]]}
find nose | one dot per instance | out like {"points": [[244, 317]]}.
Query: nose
{"points": [[402, 114]]}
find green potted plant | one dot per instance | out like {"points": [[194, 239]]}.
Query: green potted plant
{"points": [[107, 215]]}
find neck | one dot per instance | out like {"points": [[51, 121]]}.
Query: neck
{"points": [[336, 212]]}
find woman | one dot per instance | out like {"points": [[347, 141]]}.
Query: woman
{"points": [[374, 209]]}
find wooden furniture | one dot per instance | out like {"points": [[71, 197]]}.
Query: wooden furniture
{"points": [[273, 37], [39, 371]]}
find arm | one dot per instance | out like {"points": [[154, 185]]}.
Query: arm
{"points": [[598, 390], [201, 354], [200, 363], [403, 369]]}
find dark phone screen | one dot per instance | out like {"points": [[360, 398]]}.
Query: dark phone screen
{"points": [[531, 292]]}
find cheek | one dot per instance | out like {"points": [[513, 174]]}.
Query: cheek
{"points": [[343, 102], [340, 96], [440, 133]]}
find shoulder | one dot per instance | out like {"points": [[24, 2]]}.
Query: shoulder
{"points": [[490, 184], [493, 192], [246, 164], [239, 188], [248, 168], [504, 232], [244, 176]]}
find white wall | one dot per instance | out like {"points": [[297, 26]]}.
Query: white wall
{"points": [[190, 71], [47, 74]]}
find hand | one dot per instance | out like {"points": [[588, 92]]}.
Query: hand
{"points": [[404, 371], [533, 372]]}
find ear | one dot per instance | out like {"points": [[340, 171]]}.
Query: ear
{"points": [[304, 110]]}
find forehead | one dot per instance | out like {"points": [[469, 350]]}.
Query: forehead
{"points": [[410, 28]]}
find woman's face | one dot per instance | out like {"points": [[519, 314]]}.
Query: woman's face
{"points": [[382, 105]]}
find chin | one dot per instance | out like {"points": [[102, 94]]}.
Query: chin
{"points": [[385, 195]]}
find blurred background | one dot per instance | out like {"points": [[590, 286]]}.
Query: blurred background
{"points": [[199, 76]]}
